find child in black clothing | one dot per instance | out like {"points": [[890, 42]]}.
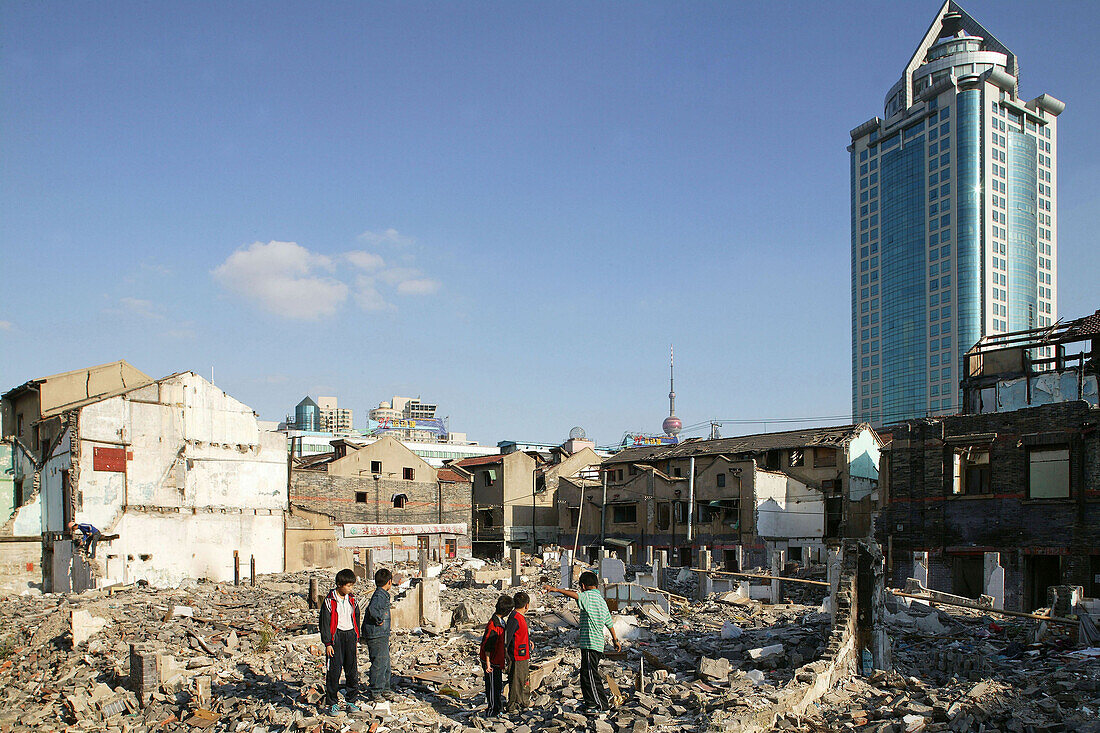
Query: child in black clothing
{"points": [[339, 626], [494, 657]]}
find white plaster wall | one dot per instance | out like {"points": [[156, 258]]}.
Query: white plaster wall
{"points": [[184, 545], [60, 460], [198, 455], [863, 456], [786, 508]]}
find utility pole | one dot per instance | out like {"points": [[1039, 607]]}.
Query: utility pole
{"points": [[603, 512]]}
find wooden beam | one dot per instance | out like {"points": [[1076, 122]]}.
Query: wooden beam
{"points": [[761, 576]]}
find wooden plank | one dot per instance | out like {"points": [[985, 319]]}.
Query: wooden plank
{"points": [[761, 576], [1000, 611]]}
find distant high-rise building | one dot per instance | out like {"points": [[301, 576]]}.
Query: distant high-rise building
{"points": [[954, 220], [334, 419], [307, 415], [407, 418]]}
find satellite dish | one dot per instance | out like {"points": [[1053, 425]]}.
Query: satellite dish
{"points": [[577, 433]]}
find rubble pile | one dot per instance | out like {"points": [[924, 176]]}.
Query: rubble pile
{"points": [[962, 670], [208, 656], [219, 657]]}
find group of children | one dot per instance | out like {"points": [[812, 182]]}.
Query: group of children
{"points": [[505, 645]]}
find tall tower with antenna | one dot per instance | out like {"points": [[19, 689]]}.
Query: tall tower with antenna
{"points": [[672, 424]]}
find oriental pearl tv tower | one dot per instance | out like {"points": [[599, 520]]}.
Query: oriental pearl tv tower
{"points": [[672, 424]]}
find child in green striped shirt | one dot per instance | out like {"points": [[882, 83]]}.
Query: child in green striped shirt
{"points": [[595, 617]]}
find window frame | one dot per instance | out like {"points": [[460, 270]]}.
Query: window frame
{"points": [[1050, 448], [617, 508]]}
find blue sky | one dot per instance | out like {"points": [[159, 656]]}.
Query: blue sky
{"points": [[510, 209]]}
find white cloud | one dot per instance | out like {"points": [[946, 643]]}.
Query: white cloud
{"points": [[368, 297], [367, 261], [398, 275], [388, 236], [418, 286], [140, 307], [281, 278]]}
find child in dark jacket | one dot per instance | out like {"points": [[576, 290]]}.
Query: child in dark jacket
{"points": [[517, 642], [339, 626], [494, 657]]}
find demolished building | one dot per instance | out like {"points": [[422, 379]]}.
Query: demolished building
{"points": [[741, 498], [516, 493], [180, 471], [1012, 489], [382, 497]]}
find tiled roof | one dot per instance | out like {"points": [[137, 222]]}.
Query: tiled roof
{"points": [[758, 443], [448, 474], [479, 460]]}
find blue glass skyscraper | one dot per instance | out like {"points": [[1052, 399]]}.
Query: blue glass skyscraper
{"points": [[954, 220]]}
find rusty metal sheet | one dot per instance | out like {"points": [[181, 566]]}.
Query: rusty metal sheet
{"points": [[109, 459]]}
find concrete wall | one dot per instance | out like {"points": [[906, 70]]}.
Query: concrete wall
{"points": [[393, 456], [201, 481], [787, 509]]}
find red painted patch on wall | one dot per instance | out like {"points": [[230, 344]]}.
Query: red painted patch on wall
{"points": [[109, 459]]}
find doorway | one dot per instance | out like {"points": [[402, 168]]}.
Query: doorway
{"points": [[967, 575], [729, 560], [1041, 572]]}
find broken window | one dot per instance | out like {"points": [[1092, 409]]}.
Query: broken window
{"points": [[796, 458], [485, 518], [972, 475], [399, 501], [360, 497], [19, 498], [824, 457], [720, 480], [709, 511], [574, 516], [407, 473], [1048, 473], [676, 471], [624, 513], [664, 514], [771, 460], [376, 466], [680, 512]]}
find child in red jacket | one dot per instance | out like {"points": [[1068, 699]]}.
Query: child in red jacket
{"points": [[494, 657], [517, 642]]}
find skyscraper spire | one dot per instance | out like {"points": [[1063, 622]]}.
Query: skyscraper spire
{"points": [[672, 424]]}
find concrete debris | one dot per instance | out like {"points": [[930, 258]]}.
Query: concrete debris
{"points": [[84, 626], [249, 658]]}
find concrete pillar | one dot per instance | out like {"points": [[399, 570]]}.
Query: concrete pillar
{"points": [[422, 557], [994, 575], [516, 567], [659, 566], [777, 561], [566, 580], [647, 556], [368, 564], [704, 558], [739, 554], [705, 583], [920, 567]]}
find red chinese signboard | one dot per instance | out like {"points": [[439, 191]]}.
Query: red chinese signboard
{"points": [[109, 459]]}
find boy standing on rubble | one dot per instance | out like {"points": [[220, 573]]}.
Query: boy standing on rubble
{"points": [[494, 657], [595, 617], [377, 622], [339, 626], [517, 644]]}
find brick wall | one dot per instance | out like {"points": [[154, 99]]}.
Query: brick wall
{"points": [[428, 502], [923, 514]]}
